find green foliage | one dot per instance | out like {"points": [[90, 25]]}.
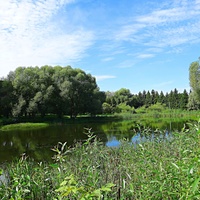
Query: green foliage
{"points": [[158, 107], [163, 168], [6, 98], [107, 108], [123, 101], [51, 90], [124, 108], [70, 188], [141, 109], [194, 76], [193, 102]]}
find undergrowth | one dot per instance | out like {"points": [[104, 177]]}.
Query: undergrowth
{"points": [[158, 169]]}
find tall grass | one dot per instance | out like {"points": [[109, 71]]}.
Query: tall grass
{"points": [[158, 169]]}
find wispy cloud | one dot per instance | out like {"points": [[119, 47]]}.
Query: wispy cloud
{"points": [[145, 55], [172, 26], [162, 84], [103, 77], [107, 59], [30, 37]]}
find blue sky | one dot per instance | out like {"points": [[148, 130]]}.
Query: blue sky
{"points": [[134, 44]]}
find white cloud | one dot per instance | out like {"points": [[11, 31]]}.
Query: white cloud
{"points": [[128, 30], [145, 55], [174, 25], [103, 77], [28, 36], [161, 16], [107, 59]]}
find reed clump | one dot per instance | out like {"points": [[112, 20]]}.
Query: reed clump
{"points": [[158, 169]]}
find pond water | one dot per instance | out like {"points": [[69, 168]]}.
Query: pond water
{"points": [[38, 143]]}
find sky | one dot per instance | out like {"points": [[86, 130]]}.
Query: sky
{"points": [[134, 44]]}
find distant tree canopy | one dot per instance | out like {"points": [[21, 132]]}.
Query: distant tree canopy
{"points": [[123, 100], [50, 90], [31, 91]]}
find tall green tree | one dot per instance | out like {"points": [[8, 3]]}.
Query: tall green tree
{"points": [[25, 86], [6, 97], [148, 99], [183, 99], [193, 103], [55, 90], [161, 98], [194, 77]]}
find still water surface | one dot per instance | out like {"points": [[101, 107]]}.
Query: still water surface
{"points": [[38, 143]]}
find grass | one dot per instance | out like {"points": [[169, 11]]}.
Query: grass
{"points": [[159, 169], [23, 126]]}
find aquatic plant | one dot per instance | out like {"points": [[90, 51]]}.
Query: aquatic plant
{"points": [[158, 169]]}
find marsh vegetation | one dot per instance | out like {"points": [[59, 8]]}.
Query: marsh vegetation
{"points": [[158, 169]]}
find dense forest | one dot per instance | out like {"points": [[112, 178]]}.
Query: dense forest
{"points": [[31, 91]]}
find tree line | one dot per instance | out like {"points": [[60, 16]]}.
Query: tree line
{"points": [[123, 101], [31, 91]]}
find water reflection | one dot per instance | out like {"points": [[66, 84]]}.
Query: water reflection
{"points": [[114, 141], [38, 143]]}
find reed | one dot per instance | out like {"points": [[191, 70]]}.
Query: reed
{"points": [[158, 169]]}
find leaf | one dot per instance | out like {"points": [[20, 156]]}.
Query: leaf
{"points": [[177, 167], [63, 146], [63, 183], [54, 165], [110, 185], [26, 191], [96, 193], [141, 146], [191, 170], [107, 187], [195, 185]]}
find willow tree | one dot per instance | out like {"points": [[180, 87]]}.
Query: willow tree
{"points": [[194, 77], [54, 90]]}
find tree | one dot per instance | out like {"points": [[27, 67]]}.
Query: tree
{"points": [[107, 108], [193, 102], [154, 96], [148, 99], [183, 100], [161, 98], [55, 90], [140, 99], [174, 99], [124, 108], [123, 96], [25, 86], [194, 76], [6, 97], [110, 99]]}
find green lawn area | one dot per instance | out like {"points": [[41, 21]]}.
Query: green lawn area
{"points": [[23, 126]]}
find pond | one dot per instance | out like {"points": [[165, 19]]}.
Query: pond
{"points": [[37, 143]]}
